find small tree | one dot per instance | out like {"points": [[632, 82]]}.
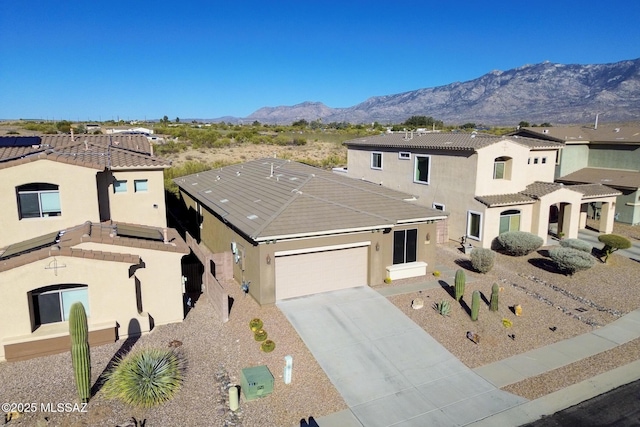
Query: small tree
{"points": [[613, 242]]}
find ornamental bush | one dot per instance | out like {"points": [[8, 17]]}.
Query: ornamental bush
{"points": [[519, 243], [569, 260], [578, 244], [146, 378], [613, 242], [482, 259]]}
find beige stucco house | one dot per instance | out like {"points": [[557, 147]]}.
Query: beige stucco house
{"points": [[292, 229], [487, 184], [83, 220]]}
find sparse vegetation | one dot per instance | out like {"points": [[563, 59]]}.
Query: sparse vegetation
{"points": [[519, 243], [443, 307]]}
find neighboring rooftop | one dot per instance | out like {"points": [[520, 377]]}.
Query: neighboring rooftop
{"points": [[95, 151], [274, 198], [605, 133], [64, 242], [617, 178], [444, 141]]}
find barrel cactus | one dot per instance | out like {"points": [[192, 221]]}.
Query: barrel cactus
{"points": [[80, 355]]}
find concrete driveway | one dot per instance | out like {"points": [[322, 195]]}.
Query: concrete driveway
{"points": [[592, 237], [389, 371]]}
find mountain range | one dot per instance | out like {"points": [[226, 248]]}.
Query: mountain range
{"points": [[545, 92]]}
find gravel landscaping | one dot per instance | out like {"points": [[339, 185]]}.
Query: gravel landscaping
{"points": [[554, 307]]}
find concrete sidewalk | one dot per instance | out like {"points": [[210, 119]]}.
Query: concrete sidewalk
{"points": [[392, 373]]}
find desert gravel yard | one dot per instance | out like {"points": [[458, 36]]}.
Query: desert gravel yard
{"points": [[554, 307]]}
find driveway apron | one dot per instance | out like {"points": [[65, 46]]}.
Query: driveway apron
{"points": [[389, 370]]}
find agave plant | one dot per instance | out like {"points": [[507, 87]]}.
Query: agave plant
{"points": [[443, 307], [145, 378]]}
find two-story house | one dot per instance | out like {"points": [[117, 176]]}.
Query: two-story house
{"points": [[83, 219], [606, 154], [488, 184]]}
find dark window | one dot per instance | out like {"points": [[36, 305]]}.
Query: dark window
{"points": [[421, 169], [53, 303], [38, 200], [405, 245]]}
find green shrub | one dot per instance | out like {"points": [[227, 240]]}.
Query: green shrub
{"points": [[519, 243], [613, 242], [145, 378], [482, 259], [569, 260], [578, 244]]}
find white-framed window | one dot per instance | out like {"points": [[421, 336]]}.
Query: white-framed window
{"points": [[376, 160], [438, 206], [120, 186], [140, 185], [52, 304], [404, 155], [421, 169], [502, 168], [405, 246], [474, 225], [38, 200], [509, 221]]}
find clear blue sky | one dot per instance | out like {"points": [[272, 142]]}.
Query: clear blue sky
{"points": [[97, 60]]}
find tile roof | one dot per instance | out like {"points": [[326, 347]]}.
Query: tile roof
{"points": [[296, 200], [613, 177], [606, 133], [443, 141], [96, 233], [94, 151], [505, 199], [540, 189]]}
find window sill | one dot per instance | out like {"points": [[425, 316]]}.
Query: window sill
{"points": [[404, 271]]}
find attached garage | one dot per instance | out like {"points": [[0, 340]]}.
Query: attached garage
{"points": [[311, 271]]}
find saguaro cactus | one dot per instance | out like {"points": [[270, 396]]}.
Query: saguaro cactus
{"points": [[475, 305], [80, 355], [460, 282], [495, 289]]}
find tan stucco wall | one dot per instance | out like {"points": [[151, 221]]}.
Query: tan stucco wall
{"points": [[112, 296], [160, 280], [78, 199], [112, 293], [572, 212], [139, 207]]}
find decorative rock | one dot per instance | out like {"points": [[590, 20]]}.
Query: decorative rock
{"points": [[473, 337], [518, 310], [417, 303]]}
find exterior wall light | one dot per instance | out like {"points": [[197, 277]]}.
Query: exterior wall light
{"points": [[377, 246], [269, 259]]}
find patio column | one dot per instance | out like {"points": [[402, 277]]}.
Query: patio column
{"points": [[607, 213], [570, 220]]}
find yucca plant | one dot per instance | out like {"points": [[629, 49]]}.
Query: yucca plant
{"points": [[443, 307], [145, 378]]}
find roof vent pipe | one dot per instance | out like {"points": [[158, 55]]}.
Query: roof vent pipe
{"points": [[165, 237], [595, 126], [71, 129], [271, 174]]}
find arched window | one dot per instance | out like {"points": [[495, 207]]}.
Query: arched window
{"points": [[502, 168], [510, 221], [52, 304], [38, 200]]}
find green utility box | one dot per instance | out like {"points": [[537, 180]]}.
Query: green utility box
{"points": [[256, 382]]}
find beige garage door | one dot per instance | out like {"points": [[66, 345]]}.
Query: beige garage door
{"points": [[329, 270]]}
